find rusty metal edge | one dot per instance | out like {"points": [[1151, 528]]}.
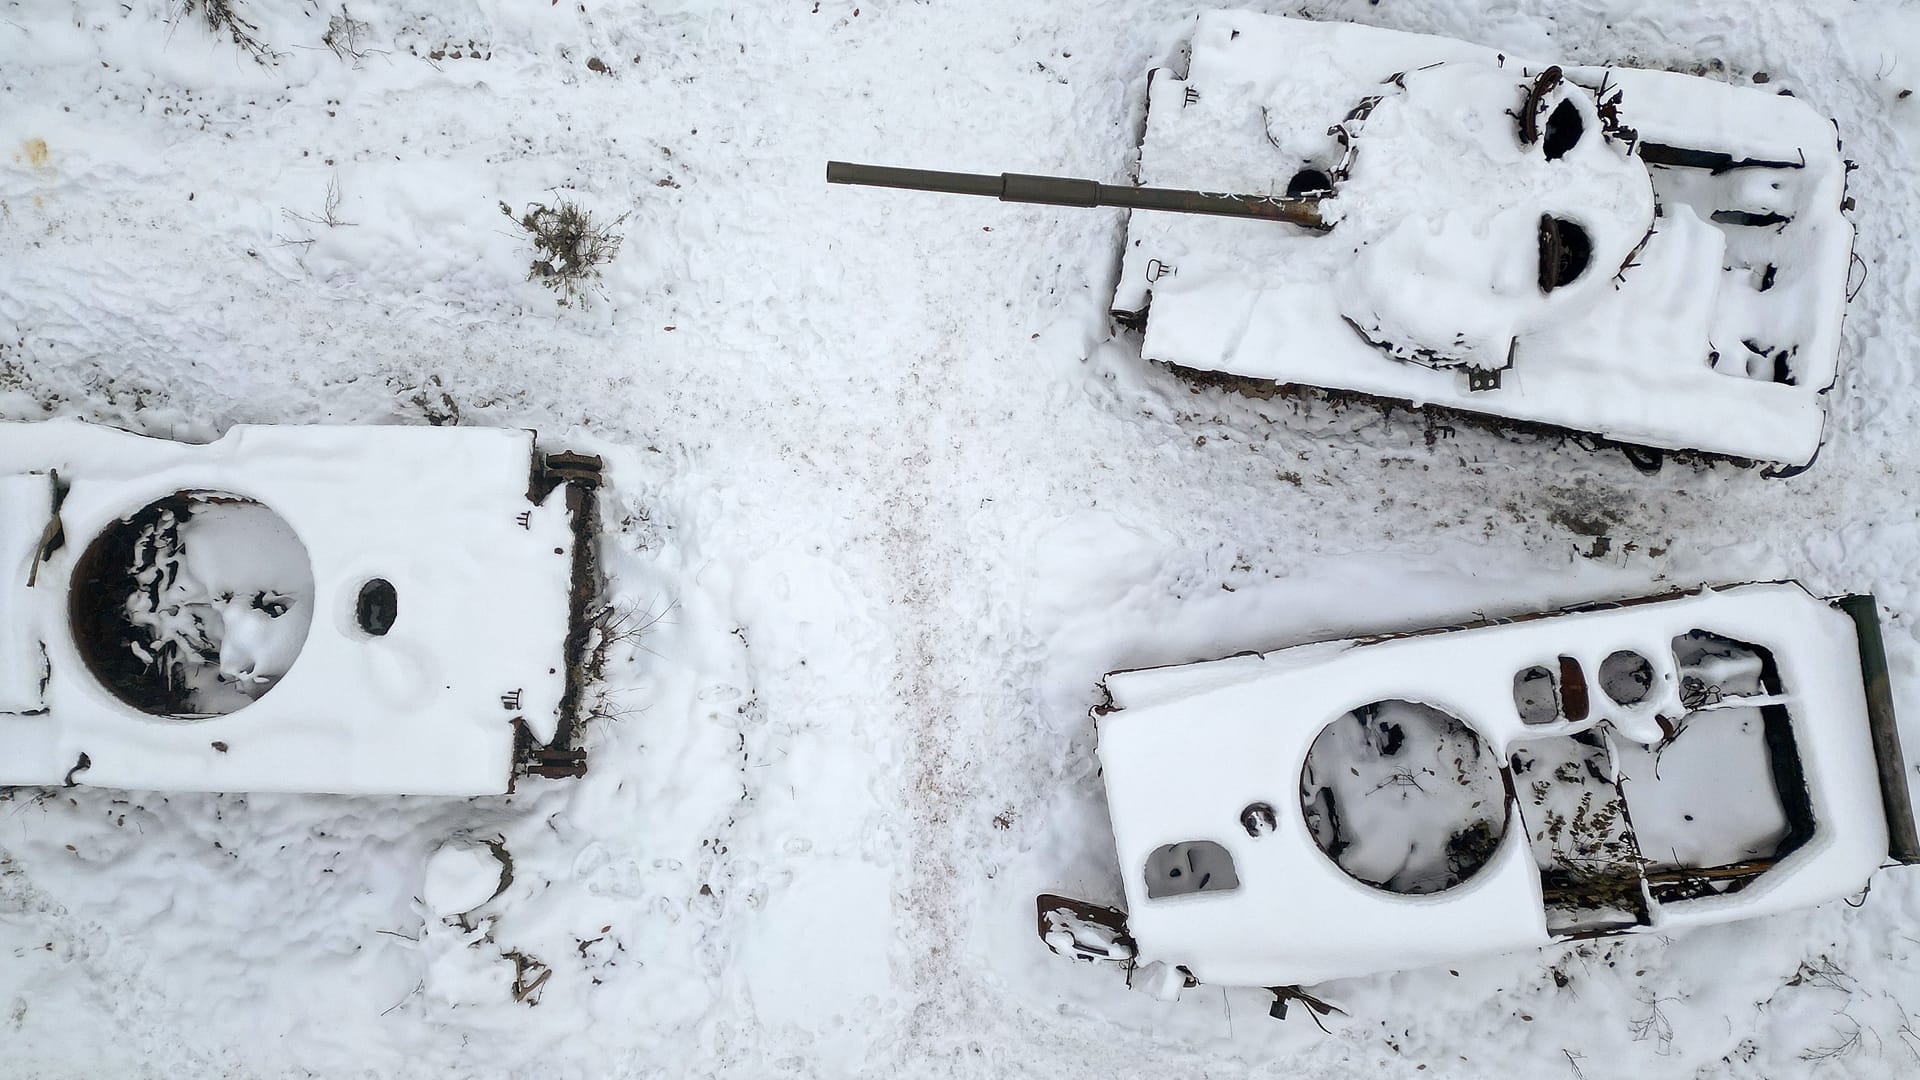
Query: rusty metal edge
{"points": [[1363, 640], [1113, 918], [561, 758], [1903, 840], [1645, 458]]}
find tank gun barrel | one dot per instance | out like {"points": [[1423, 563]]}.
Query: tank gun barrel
{"points": [[1301, 210]]}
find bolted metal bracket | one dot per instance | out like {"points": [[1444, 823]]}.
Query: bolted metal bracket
{"points": [[1483, 378]]}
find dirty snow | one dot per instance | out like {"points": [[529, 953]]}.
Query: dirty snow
{"points": [[888, 497]]}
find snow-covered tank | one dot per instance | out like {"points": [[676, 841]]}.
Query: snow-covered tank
{"points": [[1380, 803], [391, 610], [1644, 257]]}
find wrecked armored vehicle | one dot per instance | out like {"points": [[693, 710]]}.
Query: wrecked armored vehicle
{"points": [[1373, 804], [1639, 257], [364, 610]]}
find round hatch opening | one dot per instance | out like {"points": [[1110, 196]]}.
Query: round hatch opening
{"points": [[1403, 797], [193, 606]]}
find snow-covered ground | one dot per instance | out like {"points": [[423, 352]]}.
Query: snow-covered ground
{"points": [[888, 496]]}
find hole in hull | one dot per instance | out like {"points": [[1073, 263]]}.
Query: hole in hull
{"points": [[1191, 866], [1565, 251], [192, 606], [1536, 696], [1258, 819], [376, 608], [1626, 677], [1309, 181], [1564, 128], [1403, 797]]}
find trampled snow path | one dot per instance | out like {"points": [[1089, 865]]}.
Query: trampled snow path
{"points": [[900, 499]]}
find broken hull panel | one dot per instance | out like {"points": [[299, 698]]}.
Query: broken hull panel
{"points": [[1687, 759]]}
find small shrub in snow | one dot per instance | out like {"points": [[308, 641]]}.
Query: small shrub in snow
{"points": [[627, 624], [346, 36], [329, 214], [569, 247], [223, 17]]}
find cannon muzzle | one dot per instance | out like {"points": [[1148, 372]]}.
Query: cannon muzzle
{"points": [[1301, 210]]}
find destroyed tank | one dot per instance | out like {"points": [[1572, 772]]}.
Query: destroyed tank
{"points": [[1423, 798], [362, 610], [1639, 258]]}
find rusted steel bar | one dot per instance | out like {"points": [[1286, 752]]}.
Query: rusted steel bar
{"points": [[1681, 874], [1903, 842]]}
